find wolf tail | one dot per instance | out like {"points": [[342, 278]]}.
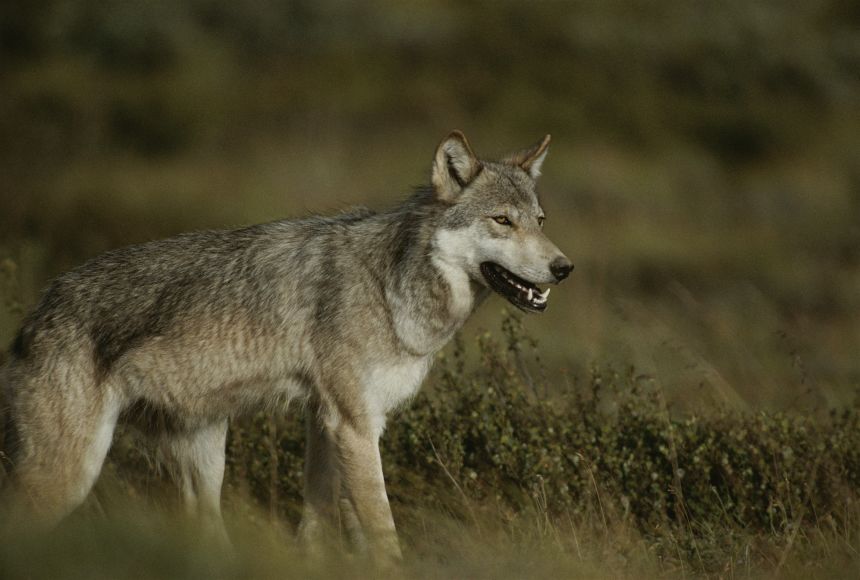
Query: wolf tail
{"points": [[5, 428], [8, 430]]}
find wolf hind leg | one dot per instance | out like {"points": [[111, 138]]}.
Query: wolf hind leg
{"points": [[195, 458], [62, 436]]}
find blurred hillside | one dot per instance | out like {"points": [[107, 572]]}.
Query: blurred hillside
{"points": [[704, 173]]}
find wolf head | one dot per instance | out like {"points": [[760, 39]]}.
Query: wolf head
{"points": [[492, 228]]}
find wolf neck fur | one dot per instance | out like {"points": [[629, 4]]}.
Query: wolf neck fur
{"points": [[428, 299]]}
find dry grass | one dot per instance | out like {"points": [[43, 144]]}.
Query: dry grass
{"points": [[136, 541]]}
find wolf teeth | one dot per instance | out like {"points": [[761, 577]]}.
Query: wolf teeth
{"points": [[533, 295], [540, 297]]}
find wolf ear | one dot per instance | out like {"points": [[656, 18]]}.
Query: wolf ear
{"points": [[531, 159], [454, 166]]}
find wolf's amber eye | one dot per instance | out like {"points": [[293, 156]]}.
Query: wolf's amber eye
{"points": [[502, 219]]}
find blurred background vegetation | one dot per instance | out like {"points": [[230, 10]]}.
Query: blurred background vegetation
{"points": [[704, 177], [704, 174]]}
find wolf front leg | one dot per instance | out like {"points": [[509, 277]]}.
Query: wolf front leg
{"points": [[327, 508], [357, 448], [322, 481]]}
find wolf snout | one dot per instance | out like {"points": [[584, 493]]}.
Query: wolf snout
{"points": [[560, 268]]}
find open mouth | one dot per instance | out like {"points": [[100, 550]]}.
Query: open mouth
{"points": [[521, 293]]}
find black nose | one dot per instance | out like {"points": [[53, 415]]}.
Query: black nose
{"points": [[560, 268]]}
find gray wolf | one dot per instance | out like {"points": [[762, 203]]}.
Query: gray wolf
{"points": [[345, 313]]}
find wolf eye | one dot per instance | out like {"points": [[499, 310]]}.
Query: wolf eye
{"points": [[541, 219], [502, 219]]}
